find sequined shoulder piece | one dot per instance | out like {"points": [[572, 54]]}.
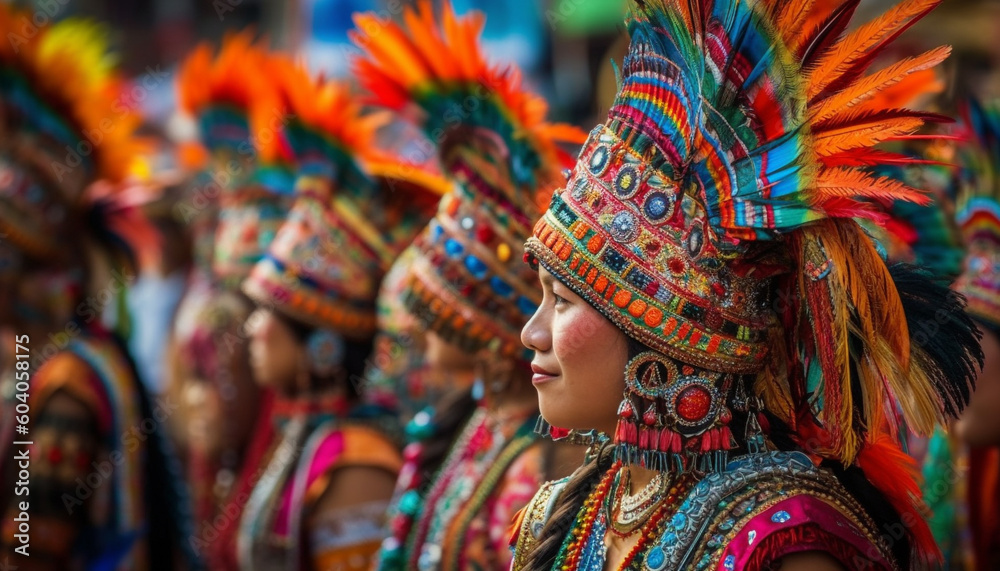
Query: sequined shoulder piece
{"points": [[764, 507], [533, 519]]}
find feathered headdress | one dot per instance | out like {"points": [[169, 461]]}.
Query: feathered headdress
{"points": [[356, 208], [62, 82], [924, 235], [978, 210], [254, 205], [230, 95], [713, 216], [463, 99], [63, 111], [468, 284]]}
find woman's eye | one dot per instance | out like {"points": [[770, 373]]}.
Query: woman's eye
{"points": [[559, 299]]}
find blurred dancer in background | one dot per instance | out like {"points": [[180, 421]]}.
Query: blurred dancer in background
{"points": [[320, 502], [100, 491], [239, 200], [475, 460], [978, 216]]}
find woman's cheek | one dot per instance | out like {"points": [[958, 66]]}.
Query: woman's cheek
{"points": [[575, 338]]}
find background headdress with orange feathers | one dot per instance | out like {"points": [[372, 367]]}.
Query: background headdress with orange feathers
{"points": [[467, 283], [62, 111], [357, 206]]}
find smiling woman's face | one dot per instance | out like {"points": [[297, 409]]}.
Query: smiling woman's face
{"points": [[579, 361]]}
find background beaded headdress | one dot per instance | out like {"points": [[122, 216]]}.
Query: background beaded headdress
{"points": [[467, 282], [978, 211], [356, 209], [58, 87]]}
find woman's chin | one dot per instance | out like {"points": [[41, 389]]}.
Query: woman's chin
{"points": [[558, 416]]}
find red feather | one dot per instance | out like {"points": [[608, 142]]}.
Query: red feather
{"points": [[896, 475]]}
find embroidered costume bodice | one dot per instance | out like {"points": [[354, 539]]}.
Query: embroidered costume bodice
{"points": [[462, 520], [761, 508]]}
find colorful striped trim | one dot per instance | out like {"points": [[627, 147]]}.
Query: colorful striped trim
{"points": [[631, 243], [642, 319], [271, 285], [127, 488]]}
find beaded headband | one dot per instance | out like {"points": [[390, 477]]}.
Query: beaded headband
{"points": [[355, 211]]}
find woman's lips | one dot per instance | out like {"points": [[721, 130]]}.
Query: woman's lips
{"points": [[541, 375]]}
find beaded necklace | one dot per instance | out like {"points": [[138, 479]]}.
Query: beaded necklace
{"points": [[572, 549], [586, 549], [627, 512], [454, 483]]}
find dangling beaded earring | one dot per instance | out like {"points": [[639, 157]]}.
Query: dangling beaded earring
{"points": [[750, 407], [324, 352], [673, 416]]}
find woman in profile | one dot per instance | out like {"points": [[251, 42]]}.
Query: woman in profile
{"points": [[714, 308]]}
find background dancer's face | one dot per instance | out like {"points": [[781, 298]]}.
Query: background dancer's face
{"points": [[445, 357], [579, 361], [276, 354], [980, 423]]}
